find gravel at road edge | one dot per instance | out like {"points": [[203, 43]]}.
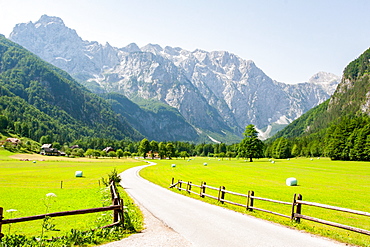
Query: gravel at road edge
{"points": [[155, 234]]}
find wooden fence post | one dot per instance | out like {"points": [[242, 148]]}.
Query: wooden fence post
{"points": [[121, 213], [1, 218], [201, 189], [204, 189], [298, 209], [250, 201], [219, 194], [180, 184], [172, 181], [115, 212], [293, 206], [188, 187], [223, 194]]}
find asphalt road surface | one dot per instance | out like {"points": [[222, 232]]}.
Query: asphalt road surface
{"points": [[203, 224]]}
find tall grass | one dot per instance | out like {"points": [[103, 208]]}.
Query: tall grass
{"points": [[337, 183], [25, 184]]}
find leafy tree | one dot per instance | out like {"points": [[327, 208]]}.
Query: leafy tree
{"points": [[162, 150], [119, 153], [112, 154], [184, 154], [170, 151], [295, 150], [144, 147], [154, 146], [126, 154], [78, 152], [103, 153], [251, 146], [89, 153]]}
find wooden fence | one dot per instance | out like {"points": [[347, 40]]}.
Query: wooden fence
{"points": [[296, 204], [117, 207]]}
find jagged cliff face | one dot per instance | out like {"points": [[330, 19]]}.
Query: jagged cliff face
{"points": [[216, 92]]}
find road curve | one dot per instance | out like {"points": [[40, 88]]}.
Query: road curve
{"points": [[203, 224]]}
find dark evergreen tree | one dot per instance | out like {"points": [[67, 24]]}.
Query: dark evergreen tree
{"points": [[251, 147]]}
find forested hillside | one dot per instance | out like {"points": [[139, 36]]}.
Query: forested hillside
{"points": [[38, 99], [339, 127]]}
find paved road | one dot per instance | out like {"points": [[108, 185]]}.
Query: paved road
{"points": [[204, 225]]}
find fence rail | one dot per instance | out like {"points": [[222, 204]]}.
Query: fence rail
{"points": [[296, 204], [117, 208]]}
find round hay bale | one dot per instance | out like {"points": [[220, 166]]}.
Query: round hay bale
{"points": [[205, 164], [173, 165], [291, 182], [78, 174], [273, 162]]}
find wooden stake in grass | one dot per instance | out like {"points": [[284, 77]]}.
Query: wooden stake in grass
{"points": [[1, 218]]}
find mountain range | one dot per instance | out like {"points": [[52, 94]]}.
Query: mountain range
{"points": [[214, 94]]}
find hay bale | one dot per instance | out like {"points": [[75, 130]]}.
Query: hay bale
{"points": [[173, 165], [205, 164], [291, 182], [78, 174]]}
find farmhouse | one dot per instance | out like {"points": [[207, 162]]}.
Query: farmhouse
{"points": [[14, 141], [109, 149], [152, 154], [46, 149]]}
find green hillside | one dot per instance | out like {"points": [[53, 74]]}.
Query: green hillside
{"points": [[38, 99], [337, 128]]}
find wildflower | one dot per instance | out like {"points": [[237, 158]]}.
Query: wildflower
{"points": [[51, 195]]}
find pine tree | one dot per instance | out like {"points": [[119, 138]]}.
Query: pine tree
{"points": [[251, 147]]}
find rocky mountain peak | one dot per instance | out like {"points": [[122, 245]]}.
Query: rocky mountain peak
{"points": [[48, 20], [217, 92], [153, 48], [131, 48], [327, 81]]}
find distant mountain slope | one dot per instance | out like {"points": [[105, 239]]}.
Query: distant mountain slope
{"points": [[216, 92], [39, 99], [351, 99], [160, 122]]}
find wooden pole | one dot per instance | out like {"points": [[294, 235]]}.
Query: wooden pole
{"points": [[251, 200], [172, 181], [298, 209], [293, 206], [1, 218], [223, 194], [201, 189], [121, 213], [116, 211], [61, 184], [204, 189], [219, 194]]}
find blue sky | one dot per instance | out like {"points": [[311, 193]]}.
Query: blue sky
{"points": [[290, 40]]}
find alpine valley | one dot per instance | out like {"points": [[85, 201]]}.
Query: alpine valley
{"points": [[173, 94]]}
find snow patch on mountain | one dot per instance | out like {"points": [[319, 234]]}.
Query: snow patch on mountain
{"points": [[215, 91]]}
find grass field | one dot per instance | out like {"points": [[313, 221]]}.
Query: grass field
{"points": [[337, 183], [24, 185]]}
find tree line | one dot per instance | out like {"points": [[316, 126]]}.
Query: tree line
{"points": [[250, 147], [348, 138]]}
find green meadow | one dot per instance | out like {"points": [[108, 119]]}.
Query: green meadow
{"points": [[24, 185], [337, 183]]}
